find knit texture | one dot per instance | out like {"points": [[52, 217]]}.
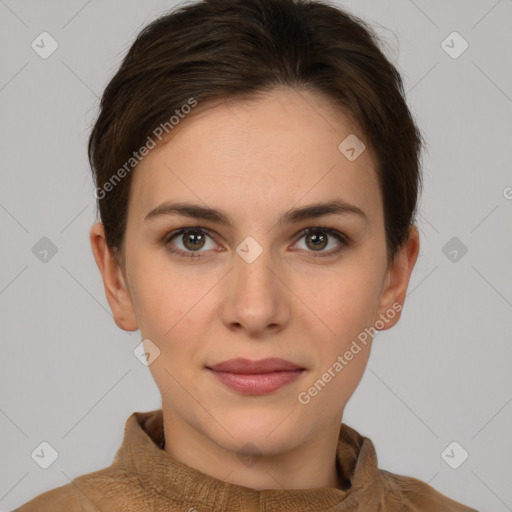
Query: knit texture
{"points": [[145, 478]]}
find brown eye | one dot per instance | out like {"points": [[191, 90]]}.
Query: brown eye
{"points": [[193, 240], [188, 241], [317, 239]]}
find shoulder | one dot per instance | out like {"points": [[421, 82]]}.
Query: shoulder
{"points": [[66, 497], [105, 489], [412, 495]]}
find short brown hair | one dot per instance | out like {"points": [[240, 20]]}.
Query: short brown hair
{"points": [[237, 49]]}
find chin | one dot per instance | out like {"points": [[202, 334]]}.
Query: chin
{"points": [[266, 431]]}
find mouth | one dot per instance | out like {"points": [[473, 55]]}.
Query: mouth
{"points": [[256, 377]]}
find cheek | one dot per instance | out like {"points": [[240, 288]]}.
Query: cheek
{"points": [[344, 302], [347, 306], [175, 312], [163, 297]]}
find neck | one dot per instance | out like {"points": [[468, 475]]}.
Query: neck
{"points": [[312, 464]]}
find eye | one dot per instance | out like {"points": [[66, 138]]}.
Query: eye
{"points": [[189, 241], [318, 238]]}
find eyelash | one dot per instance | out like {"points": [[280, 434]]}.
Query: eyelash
{"points": [[343, 239]]}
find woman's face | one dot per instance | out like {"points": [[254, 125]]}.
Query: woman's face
{"points": [[258, 287]]}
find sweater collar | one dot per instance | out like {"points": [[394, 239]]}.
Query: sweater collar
{"points": [[141, 455]]}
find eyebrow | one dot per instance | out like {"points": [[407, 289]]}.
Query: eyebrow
{"points": [[293, 215]]}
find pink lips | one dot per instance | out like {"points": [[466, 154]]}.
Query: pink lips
{"points": [[256, 377]]}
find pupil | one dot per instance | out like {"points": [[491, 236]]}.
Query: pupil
{"points": [[318, 240], [194, 244]]}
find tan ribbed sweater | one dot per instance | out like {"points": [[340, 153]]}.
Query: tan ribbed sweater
{"points": [[145, 478]]}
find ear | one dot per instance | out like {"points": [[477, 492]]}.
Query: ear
{"points": [[396, 281], [118, 295]]}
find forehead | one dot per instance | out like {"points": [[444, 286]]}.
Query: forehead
{"points": [[265, 154]]}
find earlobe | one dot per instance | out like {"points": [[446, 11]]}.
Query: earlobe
{"points": [[116, 289], [397, 281]]}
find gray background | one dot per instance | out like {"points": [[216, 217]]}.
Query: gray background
{"points": [[68, 375]]}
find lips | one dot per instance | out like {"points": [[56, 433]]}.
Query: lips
{"points": [[256, 377], [247, 366]]}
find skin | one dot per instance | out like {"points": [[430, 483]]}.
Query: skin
{"points": [[254, 160]]}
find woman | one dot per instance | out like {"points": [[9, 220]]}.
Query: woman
{"points": [[257, 176]]}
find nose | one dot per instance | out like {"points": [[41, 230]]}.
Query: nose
{"points": [[256, 299]]}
